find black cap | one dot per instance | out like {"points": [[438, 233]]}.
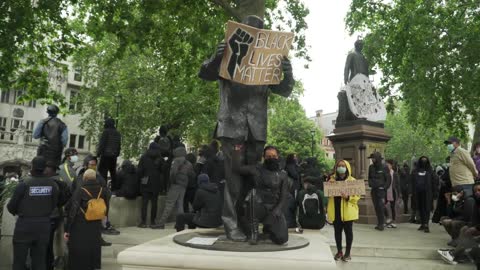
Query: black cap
{"points": [[375, 154], [452, 140], [71, 151], [39, 163], [53, 110]]}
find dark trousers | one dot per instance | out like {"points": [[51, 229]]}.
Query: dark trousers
{"points": [[109, 164], [153, 199], [405, 201], [50, 255], [339, 227], [188, 199], [30, 238], [422, 207], [184, 219], [378, 199], [236, 188], [453, 226]]}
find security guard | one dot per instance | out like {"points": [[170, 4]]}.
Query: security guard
{"points": [[33, 202]]}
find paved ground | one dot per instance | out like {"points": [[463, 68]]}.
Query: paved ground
{"points": [[401, 248]]}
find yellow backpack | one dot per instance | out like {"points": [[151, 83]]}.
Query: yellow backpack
{"points": [[96, 207]]}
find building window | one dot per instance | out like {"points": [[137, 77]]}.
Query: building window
{"points": [[77, 75], [3, 127], [5, 97], [73, 139], [29, 130], [32, 103], [81, 142], [74, 105]]}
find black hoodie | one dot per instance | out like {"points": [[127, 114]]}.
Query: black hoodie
{"points": [[150, 166], [128, 181], [208, 206]]}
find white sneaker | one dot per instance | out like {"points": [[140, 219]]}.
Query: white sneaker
{"points": [[392, 226], [447, 256]]}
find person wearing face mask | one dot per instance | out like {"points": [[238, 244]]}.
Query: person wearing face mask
{"points": [[460, 209], [468, 241], [265, 202], [67, 173], [425, 190], [378, 181], [462, 168], [342, 211]]}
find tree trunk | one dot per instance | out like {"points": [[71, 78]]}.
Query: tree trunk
{"points": [[476, 135]]}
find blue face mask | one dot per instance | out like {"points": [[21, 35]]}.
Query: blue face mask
{"points": [[341, 170], [450, 147]]}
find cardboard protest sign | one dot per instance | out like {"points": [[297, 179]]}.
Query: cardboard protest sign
{"points": [[254, 56], [333, 189]]}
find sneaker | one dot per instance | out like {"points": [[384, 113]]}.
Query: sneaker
{"points": [[237, 236], [447, 256], [392, 226], [426, 230], [421, 228], [299, 230], [379, 228], [110, 231], [105, 243], [346, 258], [142, 225], [338, 256]]}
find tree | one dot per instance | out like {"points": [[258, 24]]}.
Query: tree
{"points": [[413, 141], [150, 54], [31, 34], [428, 54], [289, 129]]}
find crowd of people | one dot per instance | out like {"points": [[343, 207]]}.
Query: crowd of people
{"points": [[63, 209]]}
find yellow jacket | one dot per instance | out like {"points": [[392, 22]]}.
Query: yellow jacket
{"points": [[349, 209]]}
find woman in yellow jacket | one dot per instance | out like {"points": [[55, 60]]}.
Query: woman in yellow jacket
{"points": [[342, 211]]}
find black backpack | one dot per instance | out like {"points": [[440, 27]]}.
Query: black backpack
{"points": [[312, 205]]}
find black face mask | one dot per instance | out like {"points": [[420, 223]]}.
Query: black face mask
{"points": [[272, 164]]}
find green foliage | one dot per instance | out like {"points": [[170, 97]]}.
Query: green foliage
{"points": [[31, 35], [428, 54], [7, 191], [289, 129], [413, 140], [150, 55]]}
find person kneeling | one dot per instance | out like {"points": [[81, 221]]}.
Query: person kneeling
{"points": [[265, 202], [311, 202], [207, 205]]}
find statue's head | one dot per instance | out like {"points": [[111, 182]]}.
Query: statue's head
{"points": [[359, 45], [253, 21]]}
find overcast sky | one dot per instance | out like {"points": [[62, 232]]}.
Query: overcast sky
{"points": [[330, 44]]}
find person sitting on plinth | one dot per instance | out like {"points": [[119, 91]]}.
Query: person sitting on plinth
{"points": [[265, 202]]}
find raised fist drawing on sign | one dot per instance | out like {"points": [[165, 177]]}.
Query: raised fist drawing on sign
{"points": [[239, 43]]}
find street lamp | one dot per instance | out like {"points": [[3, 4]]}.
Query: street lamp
{"points": [[312, 132], [118, 99]]}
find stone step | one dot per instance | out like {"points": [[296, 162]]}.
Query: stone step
{"points": [[377, 263], [398, 253]]}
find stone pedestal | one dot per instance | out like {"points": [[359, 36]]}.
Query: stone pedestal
{"points": [[163, 253], [354, 141]]}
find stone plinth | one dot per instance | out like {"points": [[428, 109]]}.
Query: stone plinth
{"points": [[354, 141], [163, 253], [127, 213]]}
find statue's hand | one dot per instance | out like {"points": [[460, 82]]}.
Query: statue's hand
{"points": [[220, 49]]}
